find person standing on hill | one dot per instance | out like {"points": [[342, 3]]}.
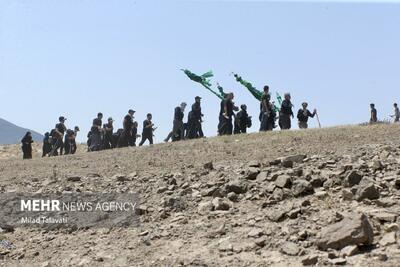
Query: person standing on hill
{"points": [[70, 141], [303, 114], [264, 107], [46, 148], [96, 133], [27, 146], [396, 114], [197, 117], [134, 134], [225, 126], [126, 134], [177, 132], [374, 114], [285, 113], [148, 130], [242, 120], [57, 135], [108, 129]]}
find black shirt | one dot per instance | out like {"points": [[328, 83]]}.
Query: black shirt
{"points": [[147, 131], [196, 111], [61, 128], [303, 115], [97, 122], [128, 122], [286, 107], [266, 98], [374, 115], [178, 114], [229, 107], [243, 118]]}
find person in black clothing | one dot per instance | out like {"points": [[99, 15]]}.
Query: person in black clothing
{"points": [[303, 114], [242, 121], [225, 126], [96, 133], [70, 142], [148, 129], [57, 135], [116, 137], [374, 114], [126, 135], [197, 117], [134, 134], [108, 129], [46, 148], [27, 146], [267, 111], [177, 132], [191, 131], [265, 100], [285, 113]]}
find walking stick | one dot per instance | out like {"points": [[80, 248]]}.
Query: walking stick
{"points": [[319, 123]]}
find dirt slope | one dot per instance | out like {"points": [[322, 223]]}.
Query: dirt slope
{"points": [[225, 201]]}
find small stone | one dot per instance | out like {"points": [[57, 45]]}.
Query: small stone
{"points": [[388, 239], [347, 194], [251, 173], [349, 251], [316, 182], [283, 181], [236, 186], [254, 163], [255, 233], [290, 248], [367, 191], [220, 204], [204, 207], [310, 260], [74, 179], [208, 166], [301, 187], [232, 196], [295, 158], [287, 163], [377, 165], [352, 179], [225, 246], [353, 230], [120, 178], [5, 228], [260, 241], [276, 215], [338, 261]]}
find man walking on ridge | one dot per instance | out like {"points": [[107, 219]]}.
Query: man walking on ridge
{"points": [[303, 114], [177, 132]]}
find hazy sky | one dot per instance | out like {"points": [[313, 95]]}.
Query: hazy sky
{"points": [[78, 57]]}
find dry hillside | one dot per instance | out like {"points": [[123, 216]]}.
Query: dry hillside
{"points": [[294, 198]]}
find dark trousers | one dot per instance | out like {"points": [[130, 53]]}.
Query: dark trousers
{"points": [[225, 126], [284, 121], [27, 151], [146, 137], [177, 131]]}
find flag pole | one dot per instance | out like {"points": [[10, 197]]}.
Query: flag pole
{"points": [[319, 123]]}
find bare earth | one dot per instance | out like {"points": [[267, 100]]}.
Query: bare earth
{"points": [[243, 208]]}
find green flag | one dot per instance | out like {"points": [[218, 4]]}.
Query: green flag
{"points": [[221, 90], [257, 94], [203, 80]]}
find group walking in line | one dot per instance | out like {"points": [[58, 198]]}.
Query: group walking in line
{"points": [[232, 120]]}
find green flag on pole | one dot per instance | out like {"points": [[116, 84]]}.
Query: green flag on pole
{"points": [[203, 80], [257, 94]]}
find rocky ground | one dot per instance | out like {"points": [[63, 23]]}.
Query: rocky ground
{"points": [[315, 197]]}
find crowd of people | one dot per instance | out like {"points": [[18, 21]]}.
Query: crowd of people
{"points": [[232, 120]]}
